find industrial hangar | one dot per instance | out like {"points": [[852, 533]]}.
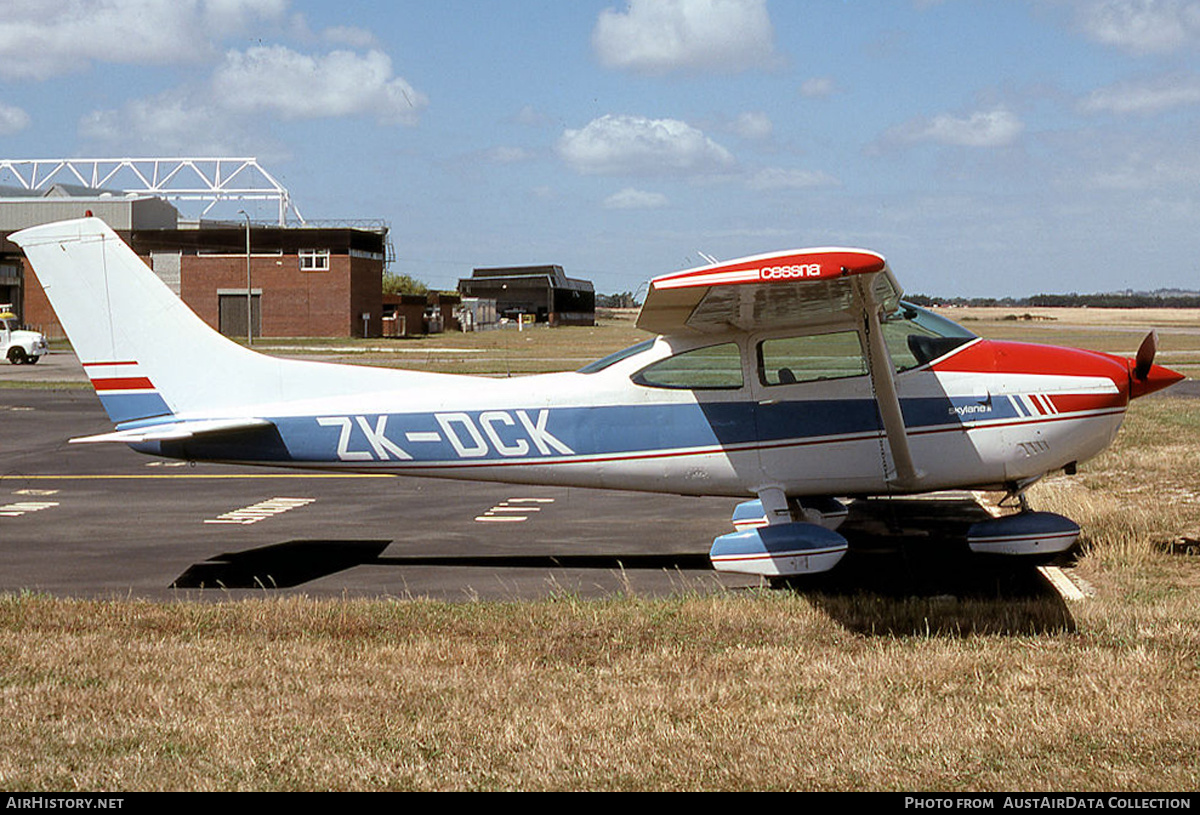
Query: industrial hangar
{"points": [[542, 291]]}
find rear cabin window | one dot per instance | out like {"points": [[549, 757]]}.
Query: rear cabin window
{"points": [[810, 358], [714, 367]]}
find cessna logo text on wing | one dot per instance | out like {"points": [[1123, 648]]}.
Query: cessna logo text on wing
{"points": [[494, 430], [790, 272]]}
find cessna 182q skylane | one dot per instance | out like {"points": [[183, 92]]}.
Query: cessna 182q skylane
{"points": [[786, 378]]}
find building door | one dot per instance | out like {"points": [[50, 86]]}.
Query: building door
{"points": [[232, 314]]}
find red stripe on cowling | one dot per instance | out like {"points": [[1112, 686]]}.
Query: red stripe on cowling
{"points": [[995, 356], [1074, 402]]}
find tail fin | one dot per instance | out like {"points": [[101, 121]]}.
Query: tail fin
{"points": [[147, 354]]}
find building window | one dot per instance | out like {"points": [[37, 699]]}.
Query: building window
{"points": [[314, 260]]}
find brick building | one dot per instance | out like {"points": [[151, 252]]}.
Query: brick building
{"points": [[304, 282]]}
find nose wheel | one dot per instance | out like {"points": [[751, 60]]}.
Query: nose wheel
{"points": [[1025, 532]]}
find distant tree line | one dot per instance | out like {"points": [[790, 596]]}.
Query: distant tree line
{"points": [[402, 284], [623, 300], [1110, 300]]}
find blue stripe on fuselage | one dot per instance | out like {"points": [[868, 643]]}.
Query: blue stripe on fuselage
{"points": [[529, 434], [533, 433]]}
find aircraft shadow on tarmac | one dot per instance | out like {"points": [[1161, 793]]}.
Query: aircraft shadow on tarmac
{"points": [[907, 573], [292, 563]]}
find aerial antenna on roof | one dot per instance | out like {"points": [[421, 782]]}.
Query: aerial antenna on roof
{"points": [[711, 260]]}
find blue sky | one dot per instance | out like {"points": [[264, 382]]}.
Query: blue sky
{"points": [[986, 148]]}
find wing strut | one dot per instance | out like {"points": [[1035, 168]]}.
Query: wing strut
{"points": [[883, 383]]}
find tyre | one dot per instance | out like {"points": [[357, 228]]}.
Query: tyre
{"points": [[16, 355]]}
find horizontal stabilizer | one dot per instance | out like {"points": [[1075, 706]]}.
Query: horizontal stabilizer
{"points": [[175, 431]]}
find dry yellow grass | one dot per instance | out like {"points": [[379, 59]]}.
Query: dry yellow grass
{"points": [[747, 691]]}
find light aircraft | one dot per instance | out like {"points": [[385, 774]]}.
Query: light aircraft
{"points": [[787, 380]]}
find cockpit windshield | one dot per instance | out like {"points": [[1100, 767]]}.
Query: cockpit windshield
{"points": [[613, 359], [916, 336]]}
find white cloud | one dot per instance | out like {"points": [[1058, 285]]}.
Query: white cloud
{"points": [[12, 120], [233, 111], [994, 128], [1141, 26], [39, 40], [352, 36], [299, 86], [634, 145], [659, 36], [1135, 164], [818, 87], [529, 116], [1144, 97], [169, 123], [753, 125], [630, 198], [777, 178]]}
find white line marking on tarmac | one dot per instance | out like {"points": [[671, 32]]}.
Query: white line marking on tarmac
{"points": [[497, 513], [22, 507], [257, 512]]}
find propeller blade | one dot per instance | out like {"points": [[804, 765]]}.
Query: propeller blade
{"points": [[1145, 356]]}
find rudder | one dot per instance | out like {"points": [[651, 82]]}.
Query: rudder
{"points": [[139, 343]]}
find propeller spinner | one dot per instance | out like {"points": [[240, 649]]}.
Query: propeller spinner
{"points": [[1146, 377]]}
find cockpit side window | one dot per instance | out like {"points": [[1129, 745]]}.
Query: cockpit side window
{"points": [[713, 367], [811, 357]]}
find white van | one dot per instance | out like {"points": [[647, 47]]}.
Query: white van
{"points": [[19, 347]]}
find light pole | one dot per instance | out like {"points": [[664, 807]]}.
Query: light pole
{"points": [[249, 291]]}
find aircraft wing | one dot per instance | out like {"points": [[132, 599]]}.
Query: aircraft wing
{"points": [[779, 290]]}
